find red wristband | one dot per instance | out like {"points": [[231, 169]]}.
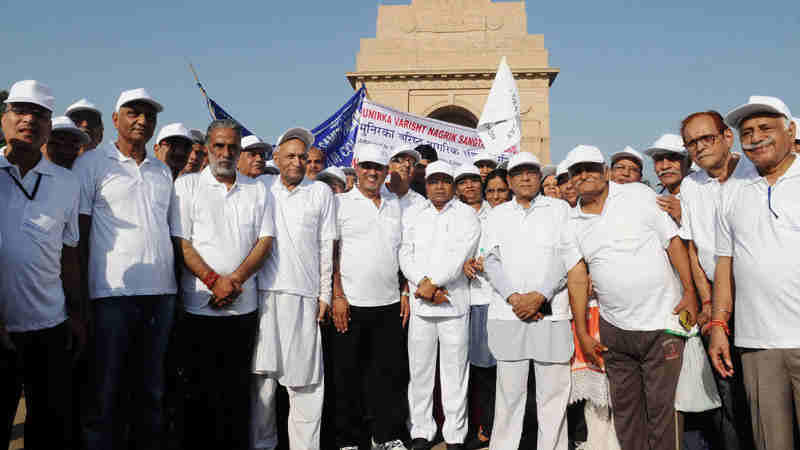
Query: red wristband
{"points": [[210, 279], [721, 324]]}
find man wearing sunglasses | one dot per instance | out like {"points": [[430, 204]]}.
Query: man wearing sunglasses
{"points": [[671, 164], [565, 186], [633, 251], [88, 117]]}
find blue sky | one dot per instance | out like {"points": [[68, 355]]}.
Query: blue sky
{"points": [[628, 73]]}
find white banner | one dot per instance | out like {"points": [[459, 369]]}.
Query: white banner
{"points": [[390, 128]]}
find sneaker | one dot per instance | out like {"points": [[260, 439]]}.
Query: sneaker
{"points": [[396, 444], [455, 446], [421, 444]]}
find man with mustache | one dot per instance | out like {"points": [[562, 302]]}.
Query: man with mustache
{"points": [[173, 145], [254, 156], [626, 166], [128, 256], [402, 162], [294, 293], [41, 309], [671, 164], [756, 275], [709, 140], [88, 117], [65, 142], [368, 312], [222, 222], [315, 163], [198, 157], [619, 229], [438, 237]]}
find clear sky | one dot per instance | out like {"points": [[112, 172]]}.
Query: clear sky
{"points": [[628, 73]]}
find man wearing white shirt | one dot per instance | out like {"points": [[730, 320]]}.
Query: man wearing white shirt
{"points": [[173, 146], [402, 161], [626, 166], [127, 252], [526, 262], [757, 243], [41, 307], [88, 117], [368, 312], [294, 293], [222, 223], [709, 141], [438, 237], [633, 251], [671, 163]]}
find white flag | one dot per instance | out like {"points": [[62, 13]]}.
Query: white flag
{"points": [[500, 127]]}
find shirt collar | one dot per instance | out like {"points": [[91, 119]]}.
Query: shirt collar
{"points": [[113, 152], [538, 202], [303, 185], [448, 205], [44, 166], [752, 176], [209, 178]]}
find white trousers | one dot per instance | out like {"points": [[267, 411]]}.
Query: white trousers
{"points": [[552, 395], [305, 414], [451, 335]]}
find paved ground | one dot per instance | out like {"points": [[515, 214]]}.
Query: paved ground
{"points": [[16, 432]]}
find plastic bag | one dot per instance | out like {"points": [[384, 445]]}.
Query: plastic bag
{"points": [[697, 390]]}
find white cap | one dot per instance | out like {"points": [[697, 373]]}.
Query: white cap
{"points": [[297, 133], [31, 91], [372, 153], [406, 149], [137, 95], [82, 105], [629, 152], [757, 104], [174, 129], [332, 172], [668, 143], [349, 170], [548, 170], [438, 167], [523, 158], [64, 123], [562, 167], [466, 170], [253, 141], [796, 121], [584, 154], [484, 156]]}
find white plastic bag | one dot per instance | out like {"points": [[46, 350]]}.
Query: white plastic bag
{"points": [[697, 390]]}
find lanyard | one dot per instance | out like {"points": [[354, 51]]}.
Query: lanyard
{"points": [[22, 188]]}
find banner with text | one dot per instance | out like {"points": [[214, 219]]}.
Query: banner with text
{"points": [[390, 128]]}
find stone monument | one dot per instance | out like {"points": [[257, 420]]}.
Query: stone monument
{"points": [[438, 58]]}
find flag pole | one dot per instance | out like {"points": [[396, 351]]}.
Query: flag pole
{"points": [[205, 95]]}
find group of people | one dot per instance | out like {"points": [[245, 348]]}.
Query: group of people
{"points": [[486, 305]]}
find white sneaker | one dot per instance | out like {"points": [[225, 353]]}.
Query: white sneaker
{"points": [[353, 447], [396, 444]]}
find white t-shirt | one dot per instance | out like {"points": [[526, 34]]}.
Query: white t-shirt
{"points": [[304, 217], [411, 198], [436, 244], [369, 241], [35, 232], [535, 249], [759, 226], [223, 226], [625, 250], [699, 200], [130, 250], [481, 291]]}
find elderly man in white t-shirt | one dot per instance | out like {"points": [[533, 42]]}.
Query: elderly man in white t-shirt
{"points": [[671, 163], [627, 166], [402, 160], [757, 243], [294, 293], [633, 251], [368, 312], [527, 259], [222, 223], [124, 208], [438, 237]]}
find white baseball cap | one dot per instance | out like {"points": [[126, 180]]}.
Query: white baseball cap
{"points": [[796, 121], [548, 170], [172, 130], [372, 153], [64, 123], [562, 167], [523, 158], [31, 91], [667, 143], [466, 170], [83, 105], [757, 104], [332, 172], [438, 167], [628, 151], [484, 156], [140, 95], [585, 154], [297, 133], [406, 149], [253, 141]]}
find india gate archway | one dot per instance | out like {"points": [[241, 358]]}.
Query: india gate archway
{"points": [[438, 58]]}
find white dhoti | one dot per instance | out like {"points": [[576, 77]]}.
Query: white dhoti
{"points": [[552, 396], [288, 351], [451, 334]]}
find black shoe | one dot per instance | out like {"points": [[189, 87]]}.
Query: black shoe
{"points": [[421, 444], [475, 444], [455, 446]]}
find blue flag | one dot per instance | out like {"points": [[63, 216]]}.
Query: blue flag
{"points": [[218, 113], [337, 135]]}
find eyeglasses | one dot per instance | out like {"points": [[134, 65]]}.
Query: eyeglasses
{"points": [[590, 167], [707, 140], [24, 109], [621, 168]]}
